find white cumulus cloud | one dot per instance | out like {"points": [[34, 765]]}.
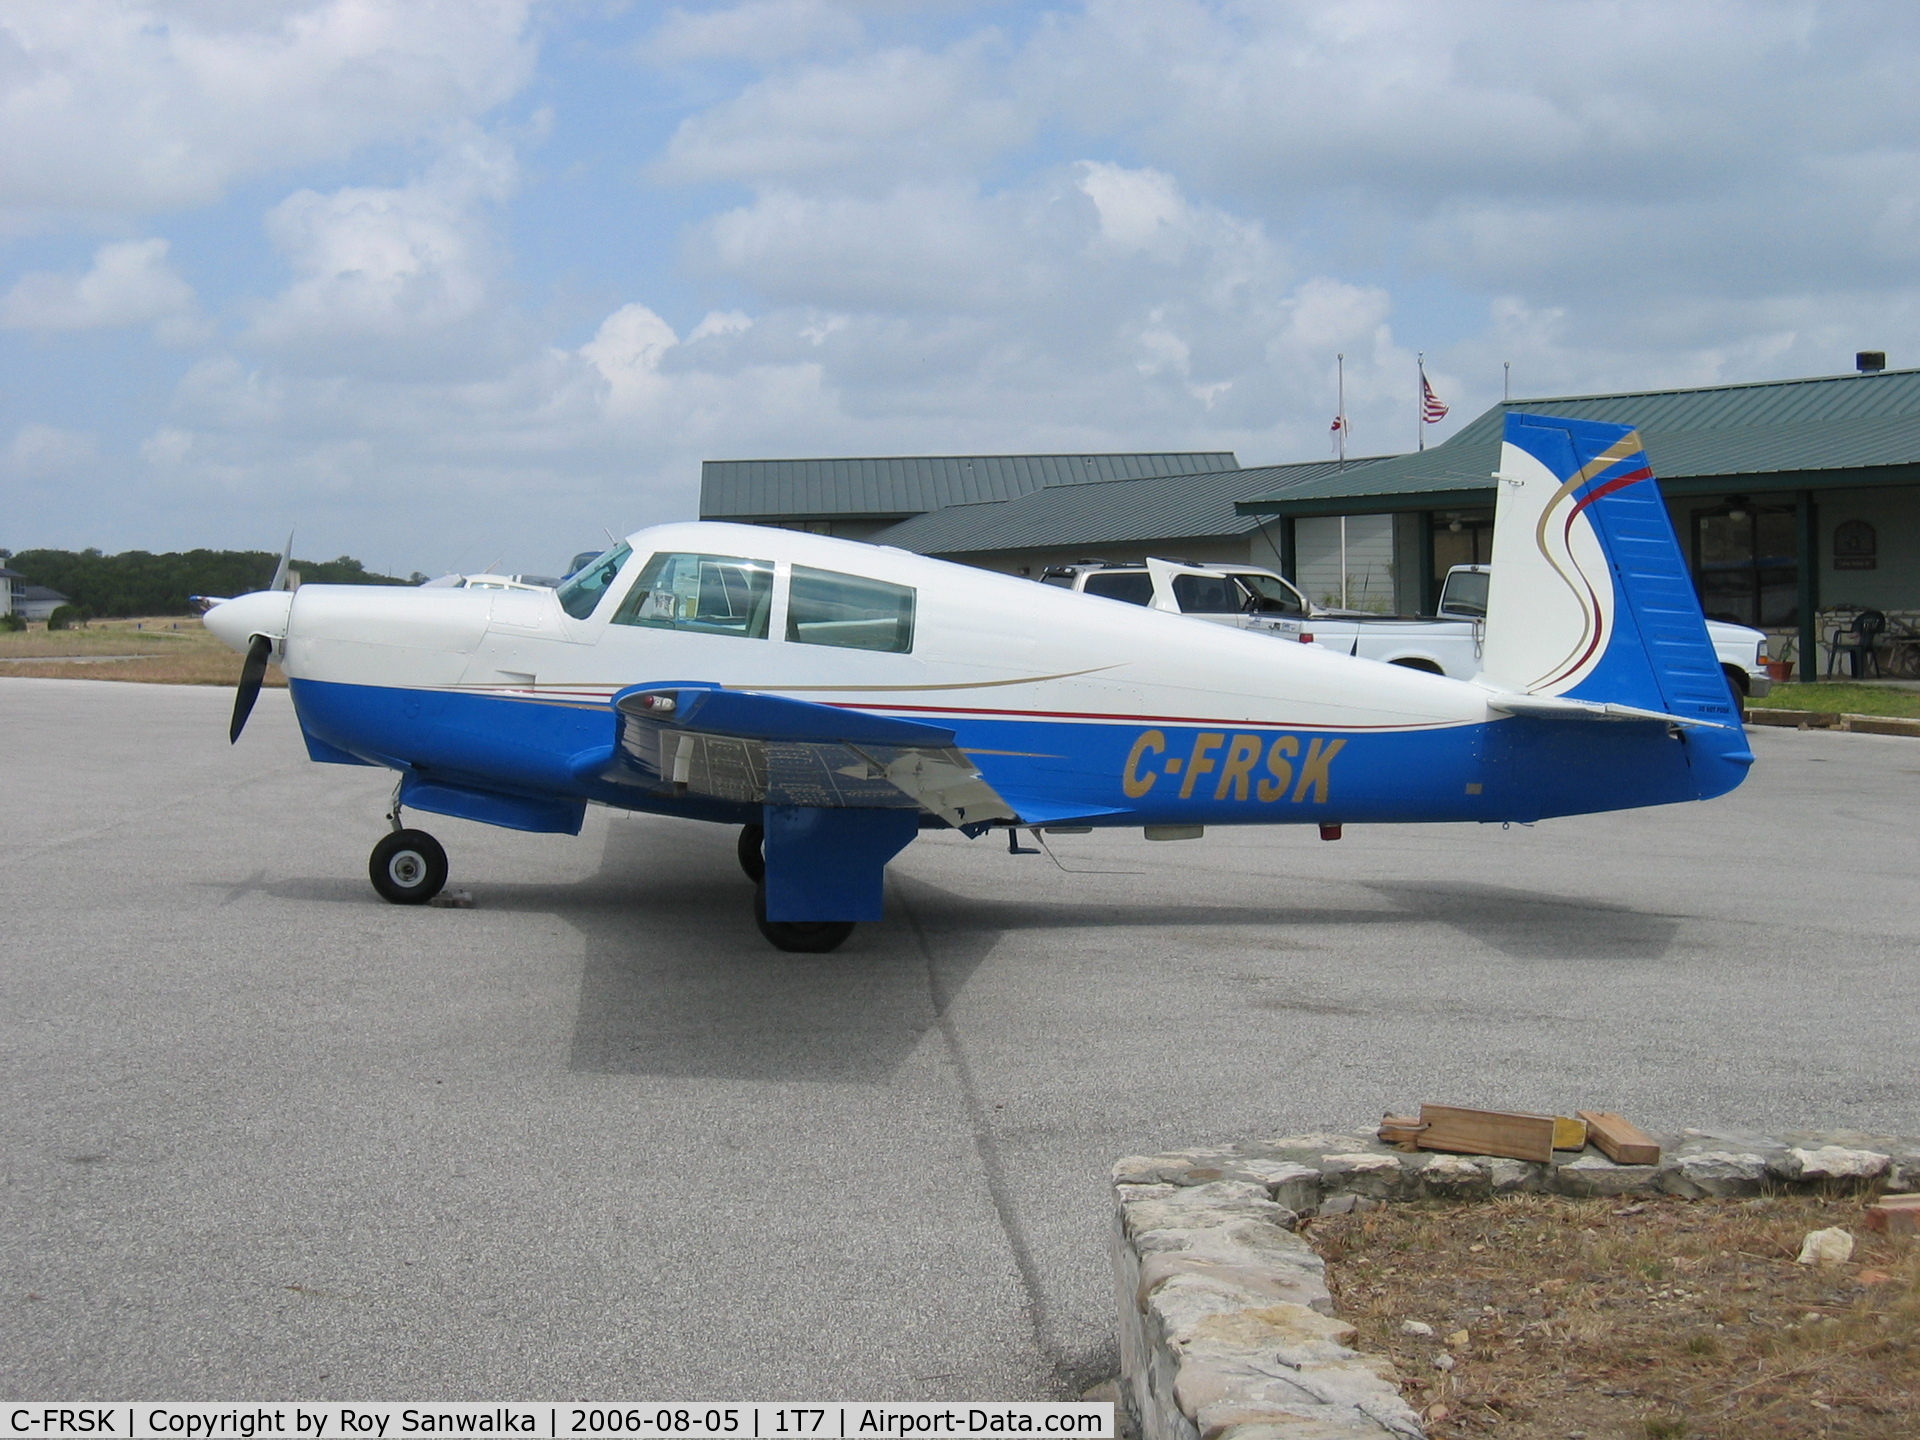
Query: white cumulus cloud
{"points": [[130, 283], [44, 451], [761, 31], [126, 107], [388, 264]]}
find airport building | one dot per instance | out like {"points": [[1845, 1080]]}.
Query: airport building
{"points": [[1797, 504]]}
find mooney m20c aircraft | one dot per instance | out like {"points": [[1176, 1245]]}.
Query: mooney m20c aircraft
{"points": [[833, 699]]}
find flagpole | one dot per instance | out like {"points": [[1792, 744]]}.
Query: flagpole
{"points": [[1340, 369], [1420, 401], [1506, 381]]}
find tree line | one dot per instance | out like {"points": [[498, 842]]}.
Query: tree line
{"points": [[137, 582]]}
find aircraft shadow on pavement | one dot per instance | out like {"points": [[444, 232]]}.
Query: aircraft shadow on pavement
{"points": [[1527, 925], [677, 982]]}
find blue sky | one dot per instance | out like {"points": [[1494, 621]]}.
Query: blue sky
{"points": [[444, 282]]}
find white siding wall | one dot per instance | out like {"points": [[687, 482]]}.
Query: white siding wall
{"points": [[1369, 555]]}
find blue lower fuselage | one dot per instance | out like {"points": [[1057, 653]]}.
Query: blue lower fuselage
{"points": [[532, 762]]}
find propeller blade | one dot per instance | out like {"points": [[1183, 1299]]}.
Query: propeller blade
{"points": [[251, 674], [280, 572]]}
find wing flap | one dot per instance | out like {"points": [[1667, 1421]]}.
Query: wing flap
{"points": [[695, 738]]}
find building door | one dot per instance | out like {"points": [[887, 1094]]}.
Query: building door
{"points": [[1744, 564]]}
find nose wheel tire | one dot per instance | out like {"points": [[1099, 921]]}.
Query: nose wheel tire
{"points": [[408, 867], [799, 937], [752, 851]]}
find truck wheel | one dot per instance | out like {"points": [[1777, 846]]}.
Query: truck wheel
{"points": [[1413, 662], [1737, 690]]}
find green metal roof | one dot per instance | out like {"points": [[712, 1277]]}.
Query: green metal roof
{"points": [[1113, 512], [904, 485], [1816, 428]]}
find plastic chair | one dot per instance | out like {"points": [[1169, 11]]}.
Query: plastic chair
{"points": [[1860, 650]]}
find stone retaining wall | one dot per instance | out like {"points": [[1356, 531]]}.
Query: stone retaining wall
{"points": [[1227, 1330]]}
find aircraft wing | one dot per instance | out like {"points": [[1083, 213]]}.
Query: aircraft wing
{"points": [[696, 738]]}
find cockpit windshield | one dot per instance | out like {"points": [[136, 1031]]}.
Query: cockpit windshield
{"points": [[580, 594]]}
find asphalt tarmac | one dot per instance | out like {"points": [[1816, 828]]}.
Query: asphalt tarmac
{"points": [[266, 1137]]}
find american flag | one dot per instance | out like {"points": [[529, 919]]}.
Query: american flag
{"points": [[1432, 411]]}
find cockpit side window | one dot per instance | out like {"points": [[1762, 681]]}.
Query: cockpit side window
{"points": [[582, 593], [702, 594], [850, 611]]}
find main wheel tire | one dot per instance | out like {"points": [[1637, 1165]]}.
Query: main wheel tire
{"points": [[799, 937], [408, 867], [753, 852]]}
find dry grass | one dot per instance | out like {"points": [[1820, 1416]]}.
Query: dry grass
{"points": [[1653, 1320], [171, 650]]}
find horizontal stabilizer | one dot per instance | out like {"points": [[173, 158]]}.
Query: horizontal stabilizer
{"points": [[1558, 707], [695, 738]]}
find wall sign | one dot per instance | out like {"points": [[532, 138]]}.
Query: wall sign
{"points": [[1855, 546]]}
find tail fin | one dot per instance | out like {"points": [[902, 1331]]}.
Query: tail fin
{"points": [[1590, 599]]}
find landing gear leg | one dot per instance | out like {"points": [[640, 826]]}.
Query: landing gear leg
{"points": [[408, 867], [752, 851], [800, 937]]}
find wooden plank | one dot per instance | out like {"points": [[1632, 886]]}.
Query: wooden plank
{"points": [[1510, 1133], [1399, 1129], [1620, 1139], [1895, 1214], [1569, 1134]]}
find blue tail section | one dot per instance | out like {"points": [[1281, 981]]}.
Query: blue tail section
{"points": [[1592, 552]]}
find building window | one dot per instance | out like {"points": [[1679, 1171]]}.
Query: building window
{"points": [[1460, 537], [703, 594], [1744, 564], [850, 611]]}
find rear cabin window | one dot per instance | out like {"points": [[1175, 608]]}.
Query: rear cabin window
{"points": [[850, 611], [582, 593], [1208, 595], [1133, 586], [701, 594]]}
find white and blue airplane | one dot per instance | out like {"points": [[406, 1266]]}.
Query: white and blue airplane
{"points": [[833, 699]]}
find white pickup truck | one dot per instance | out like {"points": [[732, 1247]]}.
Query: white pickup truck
{"points": [[1250, 598]]}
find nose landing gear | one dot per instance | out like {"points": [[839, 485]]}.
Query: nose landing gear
{"points": [[408, 867]]}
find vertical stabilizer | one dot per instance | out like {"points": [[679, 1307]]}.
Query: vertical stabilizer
{"points": [[1590, 598]]}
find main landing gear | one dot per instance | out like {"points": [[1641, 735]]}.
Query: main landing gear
{"points": [[797, 937]]}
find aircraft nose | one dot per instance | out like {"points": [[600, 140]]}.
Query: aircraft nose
{"points": [[238, 620]]}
